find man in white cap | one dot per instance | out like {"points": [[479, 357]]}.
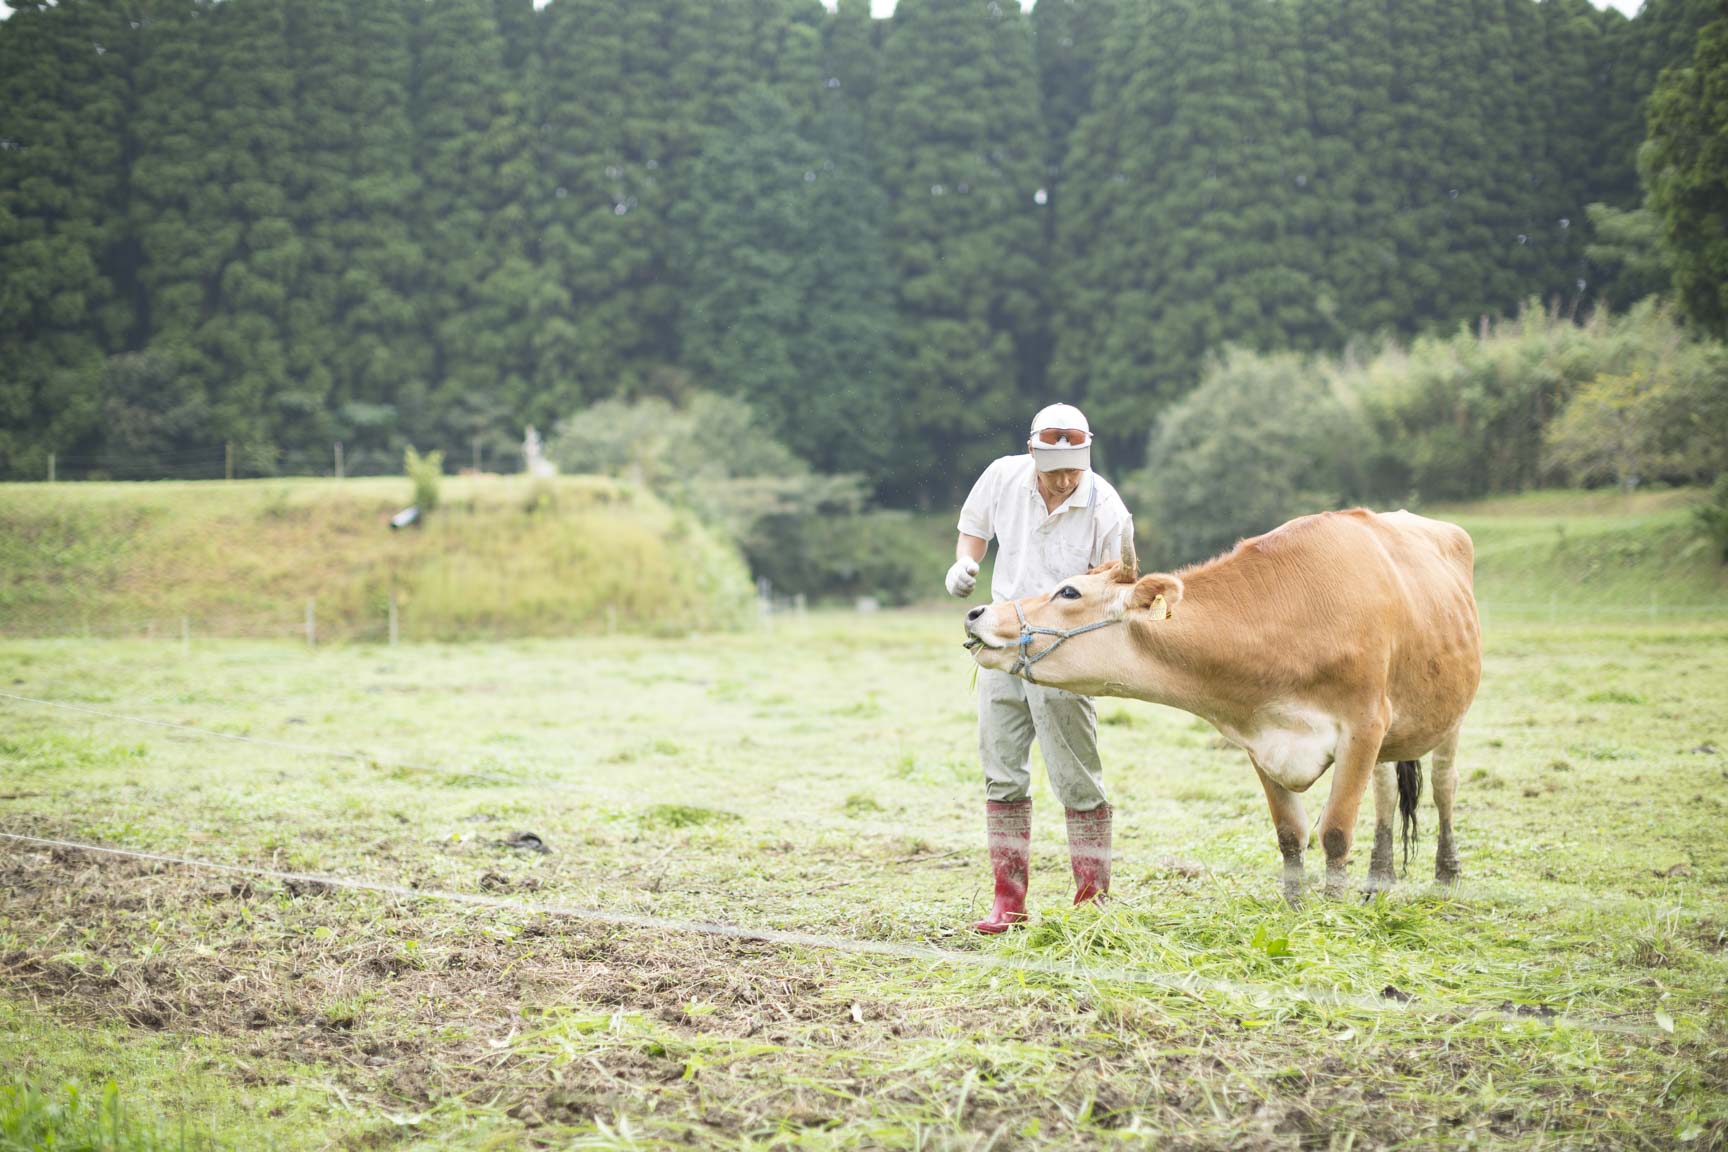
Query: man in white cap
{"points": [[1052, 517]]}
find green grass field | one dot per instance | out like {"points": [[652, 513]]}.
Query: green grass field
{"points": [[821, 777], [817, 777]]}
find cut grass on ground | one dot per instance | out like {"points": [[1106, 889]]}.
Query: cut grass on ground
{"points": [[821, 777]]}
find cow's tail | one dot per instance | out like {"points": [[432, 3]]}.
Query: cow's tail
{"points": [[1409, 792]]}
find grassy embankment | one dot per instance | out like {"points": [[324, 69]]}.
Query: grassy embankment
{"points": [[507, 557], [503, 556], [821, 777]]}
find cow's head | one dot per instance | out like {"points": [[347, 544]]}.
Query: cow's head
{"points": [[1061, 655]]}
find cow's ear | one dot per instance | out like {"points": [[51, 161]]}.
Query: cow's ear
{"points": [[1160, 592], [1111, 566]]}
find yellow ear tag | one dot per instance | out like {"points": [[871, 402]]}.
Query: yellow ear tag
{"points": [[1160, 610]]}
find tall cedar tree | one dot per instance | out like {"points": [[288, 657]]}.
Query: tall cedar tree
{"points": [[65, 78], [1069, 37], [603, 112], [960, 145], [480, 186], [852, 386], [1208, 237], [1350, 77], [1686, 170], [213, 197], [1634, 54], [852, 51], [743, 317]]}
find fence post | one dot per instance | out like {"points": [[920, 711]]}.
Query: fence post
{"points": [[185, 636], [311, 621], [393, 618], [228, 460], [338, 459], [50, 467]]}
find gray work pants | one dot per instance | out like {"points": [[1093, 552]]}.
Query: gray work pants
{"points": [[1010, 713]]}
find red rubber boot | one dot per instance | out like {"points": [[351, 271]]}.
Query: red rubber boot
{"points": [[1009, 826], [1089, 851]]}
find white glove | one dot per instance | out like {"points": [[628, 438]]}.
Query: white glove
{"points": [[963, 577]]}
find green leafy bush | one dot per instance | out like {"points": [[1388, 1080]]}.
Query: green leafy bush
{"points": [[1712, 517], [427, 474], [804, 531], [1263, 438], [1469, 415]]}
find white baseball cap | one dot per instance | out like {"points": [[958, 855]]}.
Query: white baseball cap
{"points": [[1051, 457]]}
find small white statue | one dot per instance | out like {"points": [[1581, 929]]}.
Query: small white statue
{"points": [[534, 456]]}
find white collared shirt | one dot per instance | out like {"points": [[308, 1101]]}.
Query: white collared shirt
{"points": [[1037, 549]]}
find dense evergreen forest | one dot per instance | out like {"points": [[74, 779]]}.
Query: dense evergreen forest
{"points": [[278, 224]]}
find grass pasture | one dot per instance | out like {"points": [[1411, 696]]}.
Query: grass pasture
{"points": [[820, 778]]}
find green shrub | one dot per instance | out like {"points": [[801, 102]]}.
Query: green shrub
{"points": [[1478, 413], [1263, 438], [1712, 517], [427, 474], [804, 531], [891, 556]]}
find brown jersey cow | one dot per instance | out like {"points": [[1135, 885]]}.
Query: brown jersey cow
{"points": [[1346, 639]]}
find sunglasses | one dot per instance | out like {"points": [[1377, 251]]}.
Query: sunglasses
{"points": [[1074, 436]]}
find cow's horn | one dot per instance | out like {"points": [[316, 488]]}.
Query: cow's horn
{"points": [[1130, 570]]}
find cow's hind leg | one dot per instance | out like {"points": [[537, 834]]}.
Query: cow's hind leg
{"points": [[1291, 821], [1445, 780], [1358, 755], [1381, 872]]}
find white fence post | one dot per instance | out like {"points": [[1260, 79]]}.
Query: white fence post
{"points": [[339, 460], [50, 467]]}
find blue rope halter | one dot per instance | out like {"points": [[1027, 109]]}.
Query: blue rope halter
{"points": [[1024, 661]]}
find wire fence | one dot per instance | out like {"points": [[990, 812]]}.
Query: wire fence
{"points": [[300, 620], [1188, 984], [1090, 973], [241, 461], [1471, 889]]}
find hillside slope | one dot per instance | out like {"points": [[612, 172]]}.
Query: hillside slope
{"points": [[502, 556], [1601, 553]]}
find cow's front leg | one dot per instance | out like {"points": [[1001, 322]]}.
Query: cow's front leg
{"points": [[1357, 757], [1382, 873], [1291, 821]]}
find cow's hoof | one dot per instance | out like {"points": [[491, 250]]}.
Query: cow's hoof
{"points": [[1448, 875], [1293, 894], [1379, 882]]}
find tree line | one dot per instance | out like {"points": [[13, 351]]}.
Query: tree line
{"points": [[388, 222]]}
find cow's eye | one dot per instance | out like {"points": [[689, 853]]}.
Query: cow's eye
{"points": [[1068, 592]]}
